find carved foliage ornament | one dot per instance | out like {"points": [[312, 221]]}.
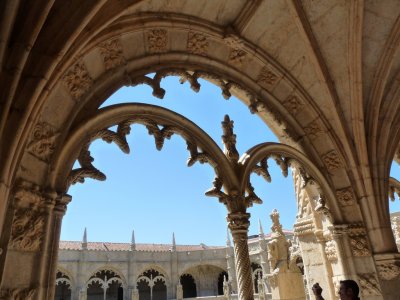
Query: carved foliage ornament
{"points": [[369, 284], [78, 80], [313, 129], [237, 57], [267, 77], [157, 40], [42, 143], [197, 43], [111, 52], [293, 104]]}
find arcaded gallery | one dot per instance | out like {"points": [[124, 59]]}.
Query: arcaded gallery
{"points": [[323, 76]]}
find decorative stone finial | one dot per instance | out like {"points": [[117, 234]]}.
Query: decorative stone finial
{"points": [[133, 243], [228, 239], [173, 242], [276, 225], [84, 240], [261, 230], [229, 140]]}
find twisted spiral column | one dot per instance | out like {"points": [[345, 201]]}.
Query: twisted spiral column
{"points": [[239, 225]]}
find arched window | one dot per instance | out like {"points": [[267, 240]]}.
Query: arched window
{"points": [[63, 287], [188, 286], [151, 286], [257, 275], [221, 279], [105, 284]]}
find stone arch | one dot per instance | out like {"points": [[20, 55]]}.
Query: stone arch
{"points": [[111, 269], [260, 91], [157, 268], [68, 274]]}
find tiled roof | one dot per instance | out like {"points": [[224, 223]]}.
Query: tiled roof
{"points": [[105, 246], [100, 246]]}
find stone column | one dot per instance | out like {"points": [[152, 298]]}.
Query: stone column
{"points": [[230, 263], [33, 243], [239, 224]]}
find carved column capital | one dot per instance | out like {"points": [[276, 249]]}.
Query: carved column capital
{"points": [[238, 222], [31, 206]]}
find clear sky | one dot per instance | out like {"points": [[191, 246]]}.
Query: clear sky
{"points": [[155, 194]]}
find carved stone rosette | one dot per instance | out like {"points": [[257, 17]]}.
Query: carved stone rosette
{"points": [[358, 240], [345, 197], [78, 80]]}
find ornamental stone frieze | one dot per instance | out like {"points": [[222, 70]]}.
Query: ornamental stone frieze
{"points": [[77, 80], [111, 53], [369, 284], [42, 142]]}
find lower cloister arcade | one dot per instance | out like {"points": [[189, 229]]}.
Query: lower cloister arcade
{"points": [[322, 74]]}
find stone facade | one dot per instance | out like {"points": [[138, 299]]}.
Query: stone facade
{"points": [[208, 266]]}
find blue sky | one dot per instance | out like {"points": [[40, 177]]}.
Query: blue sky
{"points": [[155, 194]]}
